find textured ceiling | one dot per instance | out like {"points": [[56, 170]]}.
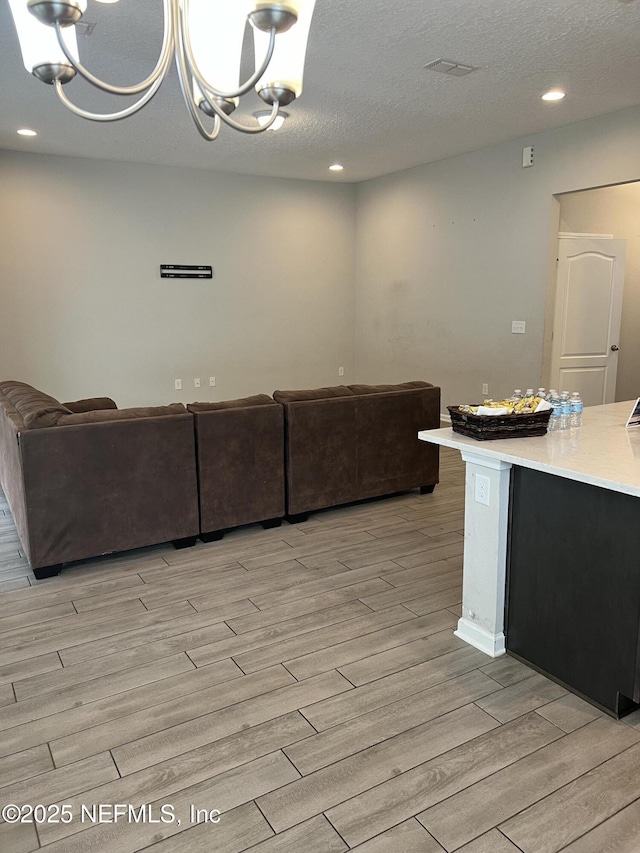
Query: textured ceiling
{"points": [[368, 102]]}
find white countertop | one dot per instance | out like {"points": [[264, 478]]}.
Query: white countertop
{"points": [[602, 452]]}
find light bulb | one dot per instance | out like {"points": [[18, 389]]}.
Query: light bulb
{"points": [[553, 95], [263, 117]]}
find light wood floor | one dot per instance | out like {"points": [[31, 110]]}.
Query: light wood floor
{"points": [[305, 682]]}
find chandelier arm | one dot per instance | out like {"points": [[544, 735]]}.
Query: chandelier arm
{"points": [[158, 73], [130, 110], [243, 128], [183, 77], [205, 86], [210, 136]]}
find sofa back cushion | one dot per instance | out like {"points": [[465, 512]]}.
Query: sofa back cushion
{"points": [[321, 452], [34, 407], [109, 415], [9, 386], [312, 394], [383, 389], [242, 403], [391, 458], [10, 411], [240, 452], [90, 405]]}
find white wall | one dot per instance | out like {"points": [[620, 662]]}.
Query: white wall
{"points": [[448, 254], [615, 210], [83, 310], [444, 257]]}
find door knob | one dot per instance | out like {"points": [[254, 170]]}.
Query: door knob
{"points": [[614, 347]]}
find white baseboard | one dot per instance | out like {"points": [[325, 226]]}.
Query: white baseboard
{"points": [[491, 644]]}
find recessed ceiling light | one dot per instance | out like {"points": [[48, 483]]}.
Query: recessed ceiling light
{"points": [[264, 115], [24, 131], [553, 95], [336, 167]]}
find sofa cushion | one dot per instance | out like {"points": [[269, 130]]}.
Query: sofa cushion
{"points": [[312, 394], [383, 389], [106, 415], [9, 385], [34, 407], [92, 404], [243, 402]]}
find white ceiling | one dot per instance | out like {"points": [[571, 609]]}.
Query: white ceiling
{"points": [[368, 102]]}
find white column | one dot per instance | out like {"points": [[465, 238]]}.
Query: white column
{"points": [[485, 555]]}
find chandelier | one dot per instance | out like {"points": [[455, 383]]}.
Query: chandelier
{"points": [[205, 37]]}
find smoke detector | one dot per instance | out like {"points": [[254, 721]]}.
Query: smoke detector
{"points": [[450, 67]]}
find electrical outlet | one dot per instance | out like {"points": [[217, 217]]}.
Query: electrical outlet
{"points": [[483, 485], [485, 387], [341, 371], [178, 385], [212, 381], [518, 327], [196, 383]]}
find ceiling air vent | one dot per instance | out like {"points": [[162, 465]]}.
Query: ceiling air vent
{"points": [[450, 67]]}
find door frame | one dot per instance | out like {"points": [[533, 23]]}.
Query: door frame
{"points": [[552, 254]]}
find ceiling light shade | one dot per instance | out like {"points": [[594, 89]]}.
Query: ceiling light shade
{"points": [[283, 79], [41, 53], [337, 167], [26, 131], [216, 29], [205, 40]]}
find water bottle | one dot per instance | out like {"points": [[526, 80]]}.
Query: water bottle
{"points": [[528, 392], [565, 410], [542, 393], [554, 420], [576, 409], [517, 395]]}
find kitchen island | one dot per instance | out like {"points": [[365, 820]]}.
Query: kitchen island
{"points": [[552, 552]]}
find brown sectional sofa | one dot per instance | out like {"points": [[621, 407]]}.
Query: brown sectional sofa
{"points": [[85, 478], [95, 481], [347, 443]]}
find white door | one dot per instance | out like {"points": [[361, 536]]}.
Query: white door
{"points": [[586, 324]]}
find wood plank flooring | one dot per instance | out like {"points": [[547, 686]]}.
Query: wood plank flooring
{"points": [[305, 683]]}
